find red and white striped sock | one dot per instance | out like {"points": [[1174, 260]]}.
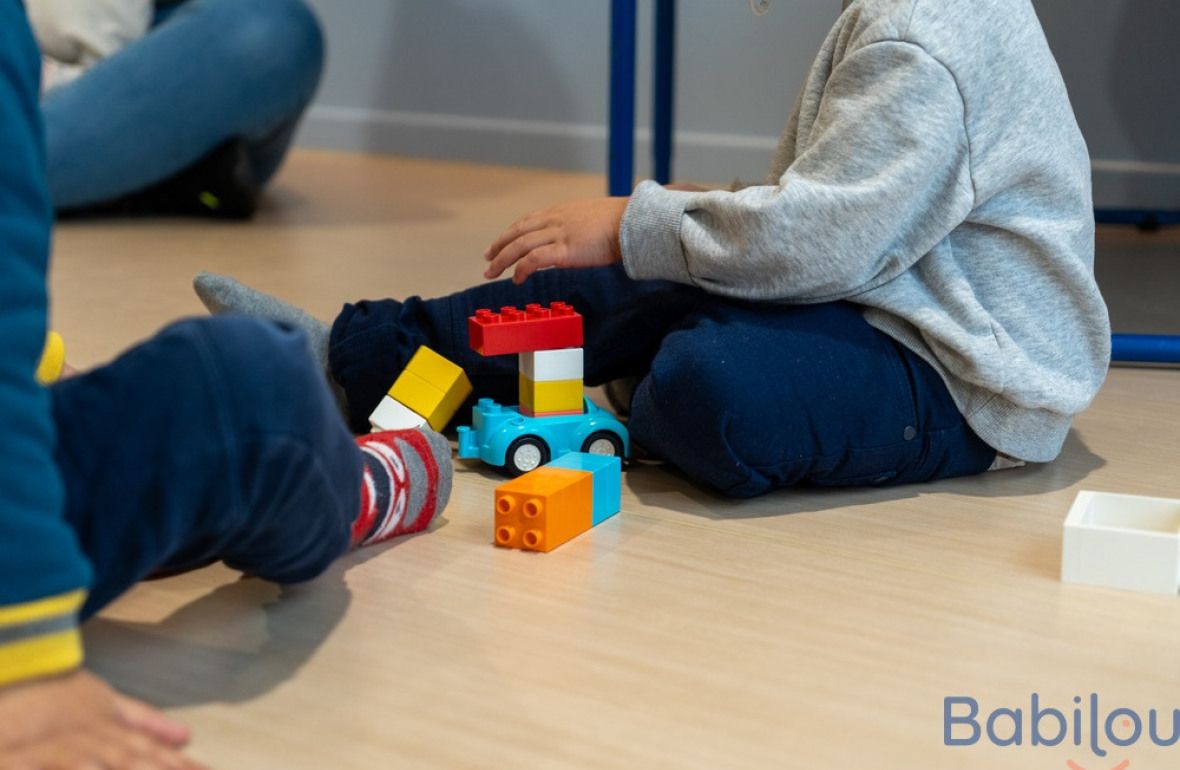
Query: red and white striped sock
{"points": [[407, 480]]}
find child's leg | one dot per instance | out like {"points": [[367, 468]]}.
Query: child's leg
{"points": [[211, 71], [749, 398], [215, 440], [624, 323]]}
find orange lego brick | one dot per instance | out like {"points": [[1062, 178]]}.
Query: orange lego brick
{"points": [[544, 508]]}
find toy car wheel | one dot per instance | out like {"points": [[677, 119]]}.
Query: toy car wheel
{"points": [[603, 442], [525, 454]]}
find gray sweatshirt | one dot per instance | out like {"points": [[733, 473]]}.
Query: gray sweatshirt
{"points": [[932, 171]]}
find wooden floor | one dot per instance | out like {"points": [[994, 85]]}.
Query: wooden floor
{"points": [[807, 629]]}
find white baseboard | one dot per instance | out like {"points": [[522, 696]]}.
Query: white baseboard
{"points": [[698, 156], [1136, 185], [567, 146]]}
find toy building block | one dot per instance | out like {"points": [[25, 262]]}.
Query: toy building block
{"points": [[432, 387], [1122, 541], [607, 471], [53, 359], [516, 331], [542, 399], [543, 508], [550, 365], [394, 415]]}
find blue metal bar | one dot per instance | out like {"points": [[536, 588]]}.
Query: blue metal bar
{"points": [[1147, 218], [621, 131], [663, 90], [1145, 348]]}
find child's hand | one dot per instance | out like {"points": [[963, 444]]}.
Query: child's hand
{"points": [[77, 720], [575, 234]]}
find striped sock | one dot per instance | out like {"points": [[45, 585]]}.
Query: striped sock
{"points": [[407, 480]]}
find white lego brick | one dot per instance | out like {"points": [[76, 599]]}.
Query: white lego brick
{"points": [[1122, 541], [552, 365], [392, 414]]}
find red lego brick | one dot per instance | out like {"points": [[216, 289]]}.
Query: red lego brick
{"points": [[521, 331]]}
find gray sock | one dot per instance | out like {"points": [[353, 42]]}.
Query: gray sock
{"points": [[222, 294], [397, 496]]}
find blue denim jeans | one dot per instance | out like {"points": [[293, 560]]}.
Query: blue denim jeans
{"points": [[207, 71], [217, 439], [742, 397]]}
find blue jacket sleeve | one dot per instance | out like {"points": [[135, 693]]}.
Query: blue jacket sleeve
{"points": [[43, 574]]}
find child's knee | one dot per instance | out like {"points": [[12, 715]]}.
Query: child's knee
{"points": [[271, 40], [292, 462], [263, 374], [684, 411]]}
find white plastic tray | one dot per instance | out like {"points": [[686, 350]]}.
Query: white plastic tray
{"points": [[1122, 541]]}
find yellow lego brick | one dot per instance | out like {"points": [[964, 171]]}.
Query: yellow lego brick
{"points": [[420, 396], [544, 508], [416, 393], [554, 397], [435, 369], [432, 386]]}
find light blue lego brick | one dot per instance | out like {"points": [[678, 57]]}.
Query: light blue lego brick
{"points": [[608, 481]]}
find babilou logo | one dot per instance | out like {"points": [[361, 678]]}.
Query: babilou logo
{"points": [[1086, 725]]}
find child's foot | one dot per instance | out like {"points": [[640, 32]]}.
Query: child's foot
{"points": [[221, 185], [407, 481], [222, 294]]}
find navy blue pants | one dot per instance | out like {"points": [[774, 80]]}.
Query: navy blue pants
{"points": [[217, 439], [742, 397]]}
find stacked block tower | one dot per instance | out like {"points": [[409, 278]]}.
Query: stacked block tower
{"points": [[549, 505], [549, 344]]}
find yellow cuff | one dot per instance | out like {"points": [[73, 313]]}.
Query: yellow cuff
{"points": [[40, 638], [53, 359]]}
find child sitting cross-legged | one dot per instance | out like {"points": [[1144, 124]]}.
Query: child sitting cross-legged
{"points": [[909, 296]]}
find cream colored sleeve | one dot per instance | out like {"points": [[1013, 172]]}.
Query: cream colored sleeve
{"points": [[84, 31]]}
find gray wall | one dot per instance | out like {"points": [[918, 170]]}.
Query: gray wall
{"points": [[1121, 62], [524, 82]]}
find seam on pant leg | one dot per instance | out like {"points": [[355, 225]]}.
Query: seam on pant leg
{"points": [[202, 342]]}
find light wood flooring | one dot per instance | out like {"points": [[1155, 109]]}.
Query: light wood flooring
{"points": [[806, 629]]}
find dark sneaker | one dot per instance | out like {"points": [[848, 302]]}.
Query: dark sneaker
{"points": [[221, 185]]}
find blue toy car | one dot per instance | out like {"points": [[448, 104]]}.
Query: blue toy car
{"points": [[503, 437]]}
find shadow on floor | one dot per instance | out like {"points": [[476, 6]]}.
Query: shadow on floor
{"points": [[231, 645], [663, 486]]}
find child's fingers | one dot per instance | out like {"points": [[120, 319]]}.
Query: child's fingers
{"points": [[547, 256], [519, 248], [99, 747], [526, 224], [155, 723]]}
